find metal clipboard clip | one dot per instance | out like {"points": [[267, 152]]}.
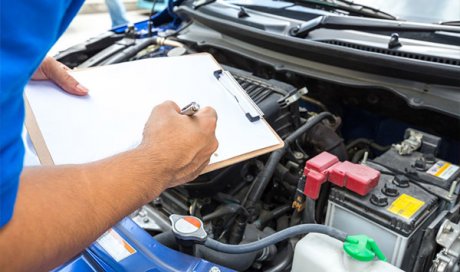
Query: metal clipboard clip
{"points": [[250, 109]]}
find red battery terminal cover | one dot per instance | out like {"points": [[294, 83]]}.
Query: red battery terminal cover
{"points": [[358, 178]]}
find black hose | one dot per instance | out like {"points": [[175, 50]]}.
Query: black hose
{"points": [[131, 51], [237, 229], [321, 202], [291, 189], [358, 155], [324, 138], [273, 214], [309, 211], [295, 219], [282, 223], [230, 208], [167, 239], [368, 142], [285, 260], [283, 173], [239, 262], [264, 177], [275, 238]]}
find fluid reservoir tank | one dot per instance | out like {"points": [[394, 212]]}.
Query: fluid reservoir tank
{"points": [[322, 253]]}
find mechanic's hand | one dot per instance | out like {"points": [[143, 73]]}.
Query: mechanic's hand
{"points": [[50, 69], [181, 145]]}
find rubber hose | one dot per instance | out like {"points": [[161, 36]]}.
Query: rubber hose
{"points": [[291, 189], [339, 151], [273, 214], [369, 142], [275, 238], [309, 211], [264, 177], [358, 155], [167, 239], [282, 223], [284, 174], [239, 262], [321, 202], [130, 52], [326, 139], [230, 208], [285, 262], [163, 41]]}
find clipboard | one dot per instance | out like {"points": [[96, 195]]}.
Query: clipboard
{"points": [[230, 93]]}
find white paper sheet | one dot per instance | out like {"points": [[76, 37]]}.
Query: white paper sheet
{"points": [[111, 118]]}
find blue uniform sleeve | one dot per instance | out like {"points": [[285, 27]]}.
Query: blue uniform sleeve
{"points": [[28, 29]]}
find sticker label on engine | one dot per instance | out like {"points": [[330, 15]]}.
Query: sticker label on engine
{"points": [[406, 206], [443, 170], [117, 247]]}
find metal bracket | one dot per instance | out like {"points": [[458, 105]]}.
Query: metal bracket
{"points": [[448, 237], [293, 97], [410, 144]]}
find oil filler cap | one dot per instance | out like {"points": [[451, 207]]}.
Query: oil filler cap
{"points": [[188, 228]]}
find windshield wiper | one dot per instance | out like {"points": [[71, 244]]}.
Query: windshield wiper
{"points": [[364, 24], [348, 6]]}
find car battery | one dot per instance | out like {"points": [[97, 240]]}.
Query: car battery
{"points": [[422, 167], [394, 214], [422, 164]]}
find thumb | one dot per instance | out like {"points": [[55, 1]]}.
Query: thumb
{"points": [[170, 106]]}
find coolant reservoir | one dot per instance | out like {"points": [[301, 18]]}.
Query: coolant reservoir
{"points": [[322, 253]]}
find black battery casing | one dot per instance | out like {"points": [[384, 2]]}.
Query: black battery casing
{"points": [[349, 211]]}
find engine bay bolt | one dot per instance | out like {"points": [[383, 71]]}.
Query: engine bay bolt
{"points": [[214, 269], [394, 41], [157, 201], [390, 189], [243, 13], [416, 101], [146, 220], [420, 164], [364, 160], [429, 158], [249, 178], [447, 228], [401, 181], [452, 189], [142, 213], [379, 200], [298, 155]]}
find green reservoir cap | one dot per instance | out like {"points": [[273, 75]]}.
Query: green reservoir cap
{"points": [[362, 248]]}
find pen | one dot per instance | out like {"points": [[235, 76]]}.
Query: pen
{"points": [[190, 109]]}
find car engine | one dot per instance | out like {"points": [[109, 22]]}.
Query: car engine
{"points": [[335, 128]]}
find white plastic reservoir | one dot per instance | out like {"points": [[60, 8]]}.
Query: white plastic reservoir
{"points": [[321, 253]]}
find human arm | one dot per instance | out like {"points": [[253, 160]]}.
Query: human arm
{"points": [[61, 210]]}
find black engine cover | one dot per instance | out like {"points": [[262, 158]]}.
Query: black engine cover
{"points": [[269, 96]]}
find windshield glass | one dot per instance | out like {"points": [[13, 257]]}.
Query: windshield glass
{"points": [[423, 11]]}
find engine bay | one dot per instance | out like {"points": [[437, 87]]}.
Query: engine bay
{"points": [[413, 147]]}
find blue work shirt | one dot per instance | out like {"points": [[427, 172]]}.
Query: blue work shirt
{"points": [[28, 29]]}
